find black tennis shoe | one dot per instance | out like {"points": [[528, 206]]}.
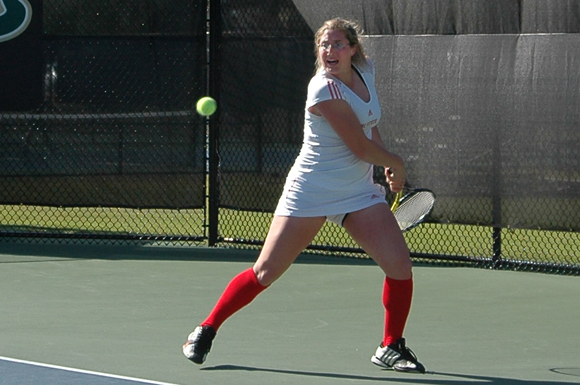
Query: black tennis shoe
{"points": [[199, 343], [398, 357]]}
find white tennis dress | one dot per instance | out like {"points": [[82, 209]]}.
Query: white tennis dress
{"points": [[327, 179]]}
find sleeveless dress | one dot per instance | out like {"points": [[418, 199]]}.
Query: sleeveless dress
{"points": [[327, 179]]}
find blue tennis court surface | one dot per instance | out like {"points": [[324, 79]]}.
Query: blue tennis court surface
{"points": [[19, 372]]}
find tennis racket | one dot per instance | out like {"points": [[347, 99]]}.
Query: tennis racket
{"points": [[412, 206]]}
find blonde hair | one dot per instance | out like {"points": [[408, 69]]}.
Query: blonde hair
{"points": [[352, 31]]}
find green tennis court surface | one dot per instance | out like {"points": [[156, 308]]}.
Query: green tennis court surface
{"points": [[97, 314]]}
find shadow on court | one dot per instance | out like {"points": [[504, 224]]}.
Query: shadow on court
{"points": [[430, 378], [153, 251]]}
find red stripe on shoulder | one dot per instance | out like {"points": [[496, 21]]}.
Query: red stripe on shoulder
{"points": [[334, 90]]}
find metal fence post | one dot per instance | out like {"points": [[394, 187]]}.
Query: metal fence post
{"points": [[214, 69]]}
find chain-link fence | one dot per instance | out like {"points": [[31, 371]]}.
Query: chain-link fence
{"points": [[113, 148], [103, 143], [483, 116]]}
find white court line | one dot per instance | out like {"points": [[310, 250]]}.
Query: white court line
{"points": [[83, 371]]}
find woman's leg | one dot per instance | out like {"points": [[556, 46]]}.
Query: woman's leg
{"points": [[287, 237], [377, 232]]}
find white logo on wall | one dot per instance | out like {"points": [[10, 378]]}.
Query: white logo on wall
{"points": [[15, 16]]}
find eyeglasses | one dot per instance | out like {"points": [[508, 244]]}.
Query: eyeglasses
{"points": [[337, 46]]}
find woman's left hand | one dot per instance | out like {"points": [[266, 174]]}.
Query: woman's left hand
{"points": [[395, 178]]}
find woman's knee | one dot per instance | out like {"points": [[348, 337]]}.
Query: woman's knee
{"points": [[396, 265], [403, 270], [269, 269], [266, 276]]}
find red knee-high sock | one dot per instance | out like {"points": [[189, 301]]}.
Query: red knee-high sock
{"points": [[397, 296], [241, 290]]}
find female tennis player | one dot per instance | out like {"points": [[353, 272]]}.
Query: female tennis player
{"points": [[331, 180]]}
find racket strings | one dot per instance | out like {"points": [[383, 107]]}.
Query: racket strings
{"points": [[414, 208]]}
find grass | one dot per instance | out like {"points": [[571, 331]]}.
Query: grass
{"points": [[540, 246], [101, 220], [430, 238]]}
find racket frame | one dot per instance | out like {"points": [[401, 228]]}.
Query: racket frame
{"points": [[403, 195]]}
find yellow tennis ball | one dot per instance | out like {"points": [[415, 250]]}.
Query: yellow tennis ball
{"points": [[206, 106]]}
